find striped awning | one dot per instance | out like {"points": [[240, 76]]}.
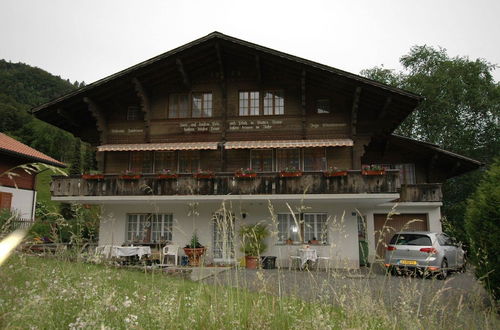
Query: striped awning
{"points": [[159, 146], [288, 144]]}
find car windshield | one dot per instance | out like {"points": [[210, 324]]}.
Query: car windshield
{"points": [[411, 239]]}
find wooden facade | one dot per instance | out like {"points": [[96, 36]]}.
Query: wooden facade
{"points": [[220, 89]]}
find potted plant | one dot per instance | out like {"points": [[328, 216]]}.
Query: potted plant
{"points": [[253, 243], [333, 171], [194, 250], [289, 241], [204, 174], [245, 173], [373, 170], [166, 174], [290, 172], [314, 241], [93, 175], [130, 175]]}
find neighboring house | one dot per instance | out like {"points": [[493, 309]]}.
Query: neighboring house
{"points": [[221, 104], [17, 192]]}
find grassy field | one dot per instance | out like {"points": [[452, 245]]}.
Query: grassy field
{"points": [[41, 293]]}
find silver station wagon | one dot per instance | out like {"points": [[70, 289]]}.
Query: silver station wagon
{"points": [[427, 252]]}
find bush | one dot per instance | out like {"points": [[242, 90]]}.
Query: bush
{"points": [[482, 224], [253, 239]]}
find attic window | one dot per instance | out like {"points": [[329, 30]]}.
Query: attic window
{"points": [[132, 113], [323, 105]]}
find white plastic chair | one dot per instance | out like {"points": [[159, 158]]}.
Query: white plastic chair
{"points": [[170, 250], [325, 259]]}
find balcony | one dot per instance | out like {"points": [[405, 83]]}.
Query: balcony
{"points": [[226, 184], [422, 192]]}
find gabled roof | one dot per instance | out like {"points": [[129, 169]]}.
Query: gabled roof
{"points": [[255, 47], [15, 148]]}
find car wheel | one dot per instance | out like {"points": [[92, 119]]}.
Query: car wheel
{"points": [[443, 274]]}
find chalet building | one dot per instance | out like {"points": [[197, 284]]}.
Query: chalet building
{"points": [[17, 189], [224, 123]]}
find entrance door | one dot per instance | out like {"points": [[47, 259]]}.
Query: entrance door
{"points": [[223, 237], [387, 227]]}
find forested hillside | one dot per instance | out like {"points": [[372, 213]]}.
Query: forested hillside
{"points": [[23, 87]]}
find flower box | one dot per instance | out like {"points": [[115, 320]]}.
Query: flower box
{"points": [[290, 174], [130, 176], [167, 176], [373, 172], [92, 176], [241, 175], [334, 174]]}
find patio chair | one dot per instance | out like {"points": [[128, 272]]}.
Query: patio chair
{"points": [[170, 250], [326, 261]]}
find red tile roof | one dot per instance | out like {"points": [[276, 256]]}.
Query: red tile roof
{"points": [[11, 146]]}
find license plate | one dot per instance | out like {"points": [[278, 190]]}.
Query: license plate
{"points": [[408, 262]]}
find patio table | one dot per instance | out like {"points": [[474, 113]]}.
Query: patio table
{"points": [[306, 255], [124, 251]]}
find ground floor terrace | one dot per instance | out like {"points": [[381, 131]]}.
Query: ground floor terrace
{"points": [[332, 225]]}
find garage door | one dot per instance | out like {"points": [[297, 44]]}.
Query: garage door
{"points": [[411, 222]]}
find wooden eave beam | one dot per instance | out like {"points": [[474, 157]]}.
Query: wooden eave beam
{"points": [[354, 110], [182, 71], [145, 106], [220, 62], [258, 68], [98, 114], [385, 108]]}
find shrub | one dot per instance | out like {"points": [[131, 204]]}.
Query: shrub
{"points": [[253, 239], [482, 224]]}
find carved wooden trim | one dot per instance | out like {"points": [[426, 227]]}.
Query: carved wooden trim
{"points": [[145, 106], [182, 71], [354, 110], [97, 113]]}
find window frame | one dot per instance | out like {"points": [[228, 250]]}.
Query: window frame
{"points": [[317, 231], [147, 219], [205, 111], [317, 106]]}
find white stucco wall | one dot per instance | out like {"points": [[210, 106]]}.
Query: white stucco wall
{"points": [[23, 201], [342, 235]]}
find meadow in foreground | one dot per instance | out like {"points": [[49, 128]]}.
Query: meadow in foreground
{"points": [[42, 293]]}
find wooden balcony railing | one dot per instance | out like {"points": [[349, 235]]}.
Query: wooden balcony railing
{"points": [[422, 192], [226, 183]]}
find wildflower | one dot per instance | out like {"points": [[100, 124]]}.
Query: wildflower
{"points": [[127, 302]]}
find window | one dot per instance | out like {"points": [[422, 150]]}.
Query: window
{"points": [[411, 239], [314, 159], [189, 161], [274, 103], [288, 158], [201, 105], [178, 106], [147, 227], [249, 104], [132, 113], [141, 162], [165, 160], [323, 106], [406, 173], [261, 160], [303, 228], [288, 227], [315, 227]]}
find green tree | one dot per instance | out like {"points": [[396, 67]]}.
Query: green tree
{"points": [[460, 112], [482, 224]]}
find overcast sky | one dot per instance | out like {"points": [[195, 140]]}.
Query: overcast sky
{"points": [[91, 39]]}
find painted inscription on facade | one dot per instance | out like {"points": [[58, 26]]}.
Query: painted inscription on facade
{"points": [[201, 126], [252, 125]]}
